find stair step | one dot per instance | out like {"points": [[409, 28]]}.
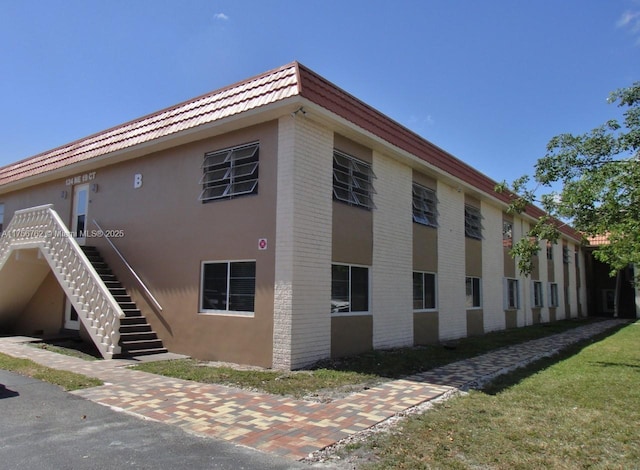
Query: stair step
{"points": [[135, 327], [130, 321], [132, 313], [128, 306], [117, 291], [137, 336], [143, 352], [138, 344], [113, 284]]}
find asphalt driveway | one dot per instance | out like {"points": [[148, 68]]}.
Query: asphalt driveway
{"points": [[43, 427]]}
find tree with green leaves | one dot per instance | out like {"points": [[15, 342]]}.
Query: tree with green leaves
{"points": [[599, 173]]}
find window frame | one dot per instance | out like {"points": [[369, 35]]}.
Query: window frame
{"points": [[472, 222], [537, 301], [424, 203], [549, 251], [350, 312], [424, 291], [507, 234], [554, 295], [355, 179], [1, 217], [508, 283], [231, 162], [226, 312], [473, 306]]}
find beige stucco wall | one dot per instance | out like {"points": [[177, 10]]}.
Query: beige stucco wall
{"points": [[168, 233], [41, 316]]}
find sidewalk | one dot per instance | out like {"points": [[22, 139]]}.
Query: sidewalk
{"points": [[279, 425]]}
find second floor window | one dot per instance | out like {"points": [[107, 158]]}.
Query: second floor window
{"points": [[507, 234], [230, 173], [424, 206], [352, 181], [472, 222]]}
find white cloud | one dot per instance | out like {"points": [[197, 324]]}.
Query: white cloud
{"points": [[221, 16], [420, 121], [630, 20]]}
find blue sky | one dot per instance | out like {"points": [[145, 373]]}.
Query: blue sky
{"points": [[489, 81]]}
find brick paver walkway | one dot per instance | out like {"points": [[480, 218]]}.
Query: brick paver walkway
{"points": [[280, 425]]}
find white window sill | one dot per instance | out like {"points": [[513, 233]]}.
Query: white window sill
{"points": [[224, 313], [350, 314]]}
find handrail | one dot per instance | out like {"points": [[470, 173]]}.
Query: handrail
{"points": [[131, 270], [42, 228]]}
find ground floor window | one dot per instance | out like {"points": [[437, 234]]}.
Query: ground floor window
{"points": [[536, 293], [349, 288], [512, 294], [553, 295], [424, 291], [228, 287], [473, 291]]}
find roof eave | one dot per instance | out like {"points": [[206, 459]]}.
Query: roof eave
{"points": [[247, 118]]}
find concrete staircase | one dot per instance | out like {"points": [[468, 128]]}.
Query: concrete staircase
{"points": [[137, 338]]}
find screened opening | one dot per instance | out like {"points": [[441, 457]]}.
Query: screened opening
{"points": [[352, 181], [424, 206], [230, 173], [472, 222]]}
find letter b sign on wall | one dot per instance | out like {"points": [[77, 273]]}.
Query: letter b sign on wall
{"points": [[137, 181]]}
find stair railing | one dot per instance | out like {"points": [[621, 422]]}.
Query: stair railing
{"points": [[145, 289], [42, 228]]}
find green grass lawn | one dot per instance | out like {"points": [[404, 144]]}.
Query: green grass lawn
{"points": [[357, 372], [296, 384], [77, 349], [580, 410], [67, 380]]}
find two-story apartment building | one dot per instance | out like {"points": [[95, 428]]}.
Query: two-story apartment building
{"points": [[275, 222]]}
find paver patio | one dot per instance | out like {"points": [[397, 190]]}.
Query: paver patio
{"points": [[280, 425]]}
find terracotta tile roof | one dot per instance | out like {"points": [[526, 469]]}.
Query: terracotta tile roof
{"points": [[258, 91], [599, 240], [270, 87], [322, 92]]}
